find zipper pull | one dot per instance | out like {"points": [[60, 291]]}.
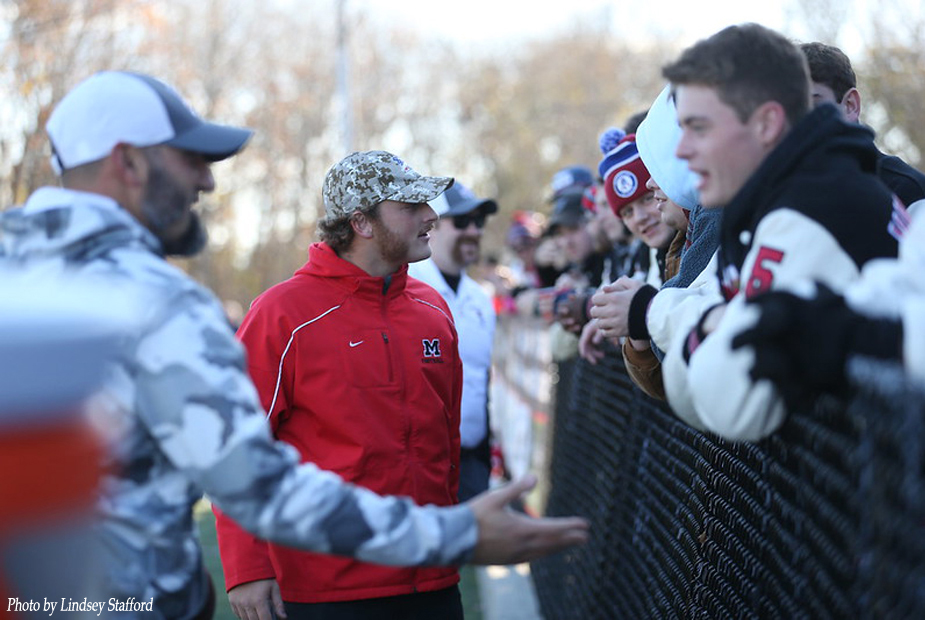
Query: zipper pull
{"points": [[385, 337]]}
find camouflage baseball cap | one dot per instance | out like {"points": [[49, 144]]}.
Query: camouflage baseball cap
{"points": [[362, 180]]}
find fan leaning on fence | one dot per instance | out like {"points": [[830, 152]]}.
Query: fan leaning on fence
{"points": [[800, 200]]}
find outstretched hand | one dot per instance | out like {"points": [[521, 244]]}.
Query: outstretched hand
{"points": [[509, 537]]}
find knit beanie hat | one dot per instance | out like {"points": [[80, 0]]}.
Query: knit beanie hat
{"points": [[624, 174]]}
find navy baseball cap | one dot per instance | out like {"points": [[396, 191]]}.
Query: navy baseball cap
{"points": [[570, 179], [459, 200], [568, 211]]}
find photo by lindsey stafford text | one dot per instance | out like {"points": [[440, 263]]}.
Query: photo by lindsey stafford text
{"points": [[69, 605]]}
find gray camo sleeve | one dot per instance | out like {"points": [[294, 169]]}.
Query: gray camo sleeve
{"points": [[195, 397]]}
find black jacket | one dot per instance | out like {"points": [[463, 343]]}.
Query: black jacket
{"points": [[825, 169], [905, 181]]}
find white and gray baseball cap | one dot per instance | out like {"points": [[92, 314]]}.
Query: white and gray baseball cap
{"points": [[114, 107], [362, 180]]}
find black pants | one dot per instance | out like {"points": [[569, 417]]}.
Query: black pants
{"points": [[474, 472], [443, 604]]}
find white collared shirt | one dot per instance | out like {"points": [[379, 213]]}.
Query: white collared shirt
{"points": [[475, 319]]}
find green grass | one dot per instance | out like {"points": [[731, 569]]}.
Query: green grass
{"points": [[206, 522], [469, 589], [468, 585]]}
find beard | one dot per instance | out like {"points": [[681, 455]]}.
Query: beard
{"points": [[392, 247], [191, 242], [166, 208]]}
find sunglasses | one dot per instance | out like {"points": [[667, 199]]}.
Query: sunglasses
{"points": [[461, 222]]}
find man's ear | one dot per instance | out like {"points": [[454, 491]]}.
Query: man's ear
{"points": [[851, 105], [129, 164], [361, 225], [770, 123]]}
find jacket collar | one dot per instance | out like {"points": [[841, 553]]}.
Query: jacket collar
{"points": [[817, 140], [427, 271], [323, 262]]}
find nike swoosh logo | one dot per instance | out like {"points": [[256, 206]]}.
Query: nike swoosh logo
{"points": [[356, 344]]}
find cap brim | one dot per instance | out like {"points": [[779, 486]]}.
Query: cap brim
{"points": [[423, 189], [214, 142], [487, 205]]}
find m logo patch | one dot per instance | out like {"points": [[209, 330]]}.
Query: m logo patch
{"points": [[431, 347]]}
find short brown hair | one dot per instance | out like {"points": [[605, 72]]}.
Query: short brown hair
{"points": [[829, 66], [338, 233], [748, 65]]}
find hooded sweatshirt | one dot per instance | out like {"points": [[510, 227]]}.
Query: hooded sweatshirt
{"points": [[654, 312]]}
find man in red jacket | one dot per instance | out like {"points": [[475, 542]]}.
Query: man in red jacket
{"points": [[357, 367]]}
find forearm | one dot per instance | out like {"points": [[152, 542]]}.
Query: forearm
{"points": [[308, 508]]}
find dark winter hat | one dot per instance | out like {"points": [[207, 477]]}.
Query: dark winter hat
{"points": [[570, 179]]}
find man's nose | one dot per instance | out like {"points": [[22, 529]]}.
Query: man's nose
{"points": [[206, 179]]}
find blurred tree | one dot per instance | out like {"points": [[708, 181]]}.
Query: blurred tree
{"points": [[531, 113], [822, 20], [47, 43], [502, 121], [894, 80]]}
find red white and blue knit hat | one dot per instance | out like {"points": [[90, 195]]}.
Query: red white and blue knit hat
{"points": [[624, 174]]}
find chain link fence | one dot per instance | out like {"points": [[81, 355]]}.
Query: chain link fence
{"points": [[824, 519]]}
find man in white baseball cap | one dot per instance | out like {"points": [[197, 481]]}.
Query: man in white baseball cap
{"points": [[137, 136], [113, 107]]}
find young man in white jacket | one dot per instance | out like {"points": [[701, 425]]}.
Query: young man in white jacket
{"points": [[800, 199]]}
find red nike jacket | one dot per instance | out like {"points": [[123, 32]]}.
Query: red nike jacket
{"points": [[361, 374]]}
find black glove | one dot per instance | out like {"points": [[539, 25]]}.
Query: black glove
{"points": [[802, 345]]}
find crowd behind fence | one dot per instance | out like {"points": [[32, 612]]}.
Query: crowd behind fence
{"points": [[824, 519]]}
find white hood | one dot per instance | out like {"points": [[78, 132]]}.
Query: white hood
{"points": [[657, 140]]}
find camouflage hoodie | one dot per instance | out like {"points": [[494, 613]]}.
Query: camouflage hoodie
{"points": [[186, 420]]}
